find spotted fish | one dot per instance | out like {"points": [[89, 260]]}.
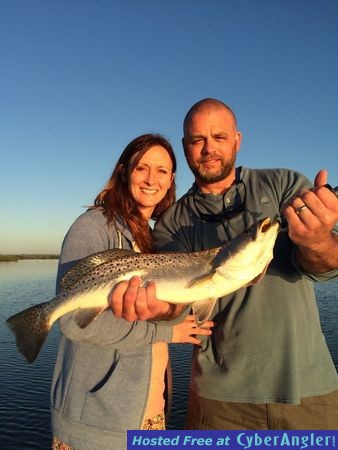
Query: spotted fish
{"points": [[199, 278]]}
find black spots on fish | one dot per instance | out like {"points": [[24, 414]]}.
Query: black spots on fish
{"points": [[146, 264], [130, 264], [161, 258]]}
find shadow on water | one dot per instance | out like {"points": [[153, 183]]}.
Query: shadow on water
{"points": [[24, 395]]}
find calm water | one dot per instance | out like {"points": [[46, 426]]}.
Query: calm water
{"points": [[24, 388]]}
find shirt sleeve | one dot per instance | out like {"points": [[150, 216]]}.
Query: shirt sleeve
{"points": [[85, 237], [106, 330], [317, 277], [168, 233]]}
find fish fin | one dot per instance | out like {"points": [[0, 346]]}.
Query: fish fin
{"points": [[84, 316], [203, 309], [259, 277], [85, 265], [30, 328], [201, 281]]}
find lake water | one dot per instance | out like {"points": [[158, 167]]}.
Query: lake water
{"points": [[24, 388]]}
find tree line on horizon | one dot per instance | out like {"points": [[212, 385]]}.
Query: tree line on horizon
{"points": [[9, 258]]}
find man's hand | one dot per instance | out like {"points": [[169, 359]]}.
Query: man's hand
{"points": [[311, 216], [133, 302]]}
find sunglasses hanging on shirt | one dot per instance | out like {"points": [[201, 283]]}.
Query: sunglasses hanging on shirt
{"points": [[238, 205]]}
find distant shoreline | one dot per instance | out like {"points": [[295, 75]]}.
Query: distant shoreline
{"points": [[14, 258]]}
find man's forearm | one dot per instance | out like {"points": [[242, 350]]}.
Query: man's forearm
{"points": [[319, 260]]}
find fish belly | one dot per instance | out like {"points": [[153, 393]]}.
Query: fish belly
{"points": [[181, 292], [96, 298]]}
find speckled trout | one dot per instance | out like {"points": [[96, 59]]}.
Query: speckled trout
{"points": [[199, 278]]}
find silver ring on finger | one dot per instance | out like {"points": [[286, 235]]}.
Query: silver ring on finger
{"points": [[300, 209]]}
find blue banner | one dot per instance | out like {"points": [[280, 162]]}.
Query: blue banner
{"points": [[232, 440]]}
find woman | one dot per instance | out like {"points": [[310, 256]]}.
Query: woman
{"points": [[109, 376]]}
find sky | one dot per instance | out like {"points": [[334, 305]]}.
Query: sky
{"points": [[81, 78]]}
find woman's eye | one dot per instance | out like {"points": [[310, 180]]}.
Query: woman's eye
{"points": [[140, 168]]}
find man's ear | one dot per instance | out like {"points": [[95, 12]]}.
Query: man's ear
{"points": [[238, 140], [183, 145]]}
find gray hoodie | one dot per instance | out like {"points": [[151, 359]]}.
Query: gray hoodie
{"points": [[101, 377]]}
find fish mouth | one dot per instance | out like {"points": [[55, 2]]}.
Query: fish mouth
{"points": [[266, 224], [269, 223], [262, 227]]}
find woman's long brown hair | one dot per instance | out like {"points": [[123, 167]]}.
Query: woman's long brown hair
{"points": [[115, 198]]}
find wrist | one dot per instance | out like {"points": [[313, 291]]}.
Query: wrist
{"points": [[320, 259], [173, 312]]}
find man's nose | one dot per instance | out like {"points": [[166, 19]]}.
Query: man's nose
{"points": [[207, 147]]}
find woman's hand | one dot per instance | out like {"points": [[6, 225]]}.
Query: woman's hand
{"points": [[186, 331]]}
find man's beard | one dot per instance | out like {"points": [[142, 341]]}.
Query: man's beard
{"points": [[207, 176]]}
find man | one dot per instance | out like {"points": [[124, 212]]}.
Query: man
{"points": [[267, 365]]}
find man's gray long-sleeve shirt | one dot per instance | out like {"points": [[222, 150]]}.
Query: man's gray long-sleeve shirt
{"points": [[268, 345]]}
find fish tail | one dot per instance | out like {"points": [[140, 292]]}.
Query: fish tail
{"points": [[31, 328]]}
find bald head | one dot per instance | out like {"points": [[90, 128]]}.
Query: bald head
{"points": [[205, 105]]}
